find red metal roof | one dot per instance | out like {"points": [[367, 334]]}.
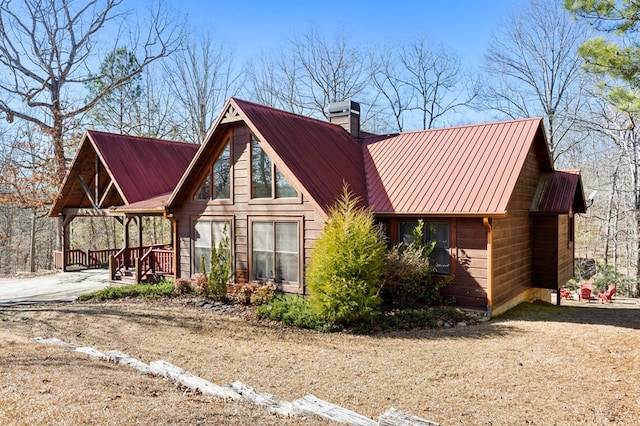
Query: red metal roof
{"points": [[313, 154], [459, 170], [140, 167], [559, 192]]}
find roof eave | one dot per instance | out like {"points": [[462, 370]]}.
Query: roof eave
{"points": [[442, 214]]}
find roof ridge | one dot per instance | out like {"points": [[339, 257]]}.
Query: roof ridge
{"points": [[282, 111], [145, 138], [462, 126]]}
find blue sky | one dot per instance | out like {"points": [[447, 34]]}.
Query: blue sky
{"points": [[253, 27]]}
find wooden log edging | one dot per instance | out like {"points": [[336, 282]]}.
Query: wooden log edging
{"points": [[306, 406], [265, 400], [187, 379], [310, 405]]}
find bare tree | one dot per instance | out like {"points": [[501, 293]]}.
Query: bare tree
{"points": [[273, 80], [532, 68], [421, 79], [331, 71], [47, 48], [202, 77]]}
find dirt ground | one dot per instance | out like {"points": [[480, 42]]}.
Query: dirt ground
{"points": [[572, 365]]}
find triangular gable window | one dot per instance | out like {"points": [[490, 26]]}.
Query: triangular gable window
{"points": [[221, 176], [263, 184]]}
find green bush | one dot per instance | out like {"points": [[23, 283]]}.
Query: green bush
{"points": [[346, 264], [292, 310], [144, 291], [609, 274], [408, 276], [220, 268]]}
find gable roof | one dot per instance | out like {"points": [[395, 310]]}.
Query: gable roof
{"points": [[560, 192], [452, 171], [314, 155], [137, 169], [457, 171]]}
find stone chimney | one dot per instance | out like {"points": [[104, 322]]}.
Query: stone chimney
{"points": [[347, 115]]}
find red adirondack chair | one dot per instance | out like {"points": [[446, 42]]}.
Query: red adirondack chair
{"points": [[565, 294], [585, 294], [607, 295]]}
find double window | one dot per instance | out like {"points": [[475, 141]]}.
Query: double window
{"points": [[275, 251], [267, 181], [432, 231], [217, 184]]}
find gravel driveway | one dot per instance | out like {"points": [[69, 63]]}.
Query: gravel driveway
{"points": [[54, 287]]}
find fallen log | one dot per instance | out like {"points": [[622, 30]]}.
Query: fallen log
{"points": [[187, 379], [312, 406], [393, 417]]}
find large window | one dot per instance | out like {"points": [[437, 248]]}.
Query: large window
{"points": [[274, 251], [205, 234], [263, 184], [221, 173], [433, 231]]}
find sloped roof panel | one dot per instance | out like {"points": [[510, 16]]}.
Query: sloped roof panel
{"points": [[458, 170], [560, 192], [317, 155], [142, 168]]}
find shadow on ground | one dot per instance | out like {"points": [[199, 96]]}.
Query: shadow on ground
{"points": [[622, 312]]}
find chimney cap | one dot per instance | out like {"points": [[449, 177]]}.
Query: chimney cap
{"points": [[344, 108]]}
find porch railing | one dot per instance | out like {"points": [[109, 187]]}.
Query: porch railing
{"points": [[140, 263]]}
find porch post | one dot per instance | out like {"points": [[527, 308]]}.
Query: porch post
{"points": [[140, 250], [65, 221]]}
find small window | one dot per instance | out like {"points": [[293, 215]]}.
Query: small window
{"points": [[275, 251], [263, 184], [433, 231]]}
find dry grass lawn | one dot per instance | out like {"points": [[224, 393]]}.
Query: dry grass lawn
{"points": [[539, 365]]}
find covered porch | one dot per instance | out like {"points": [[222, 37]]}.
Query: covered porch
{"points": [[124, 180], [132, 262]]}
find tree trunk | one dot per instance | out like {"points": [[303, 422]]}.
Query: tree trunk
{"points": [[32, 245]]}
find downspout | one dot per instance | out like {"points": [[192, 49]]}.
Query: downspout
{"points": [[486, 221]]}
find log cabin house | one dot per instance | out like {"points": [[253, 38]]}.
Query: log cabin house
{"points": [[501, 215]]}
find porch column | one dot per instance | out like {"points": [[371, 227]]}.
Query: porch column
{"points": [[139, 223], [64, 222]]}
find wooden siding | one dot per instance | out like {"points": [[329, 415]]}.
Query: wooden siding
{"points": [[511, 250], [565, 250], [544, 251], [242, 210], [468, 250], [469, 263]]}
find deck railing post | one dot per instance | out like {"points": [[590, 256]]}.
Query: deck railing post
{"points": [[136, 270], [112, 267]]}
